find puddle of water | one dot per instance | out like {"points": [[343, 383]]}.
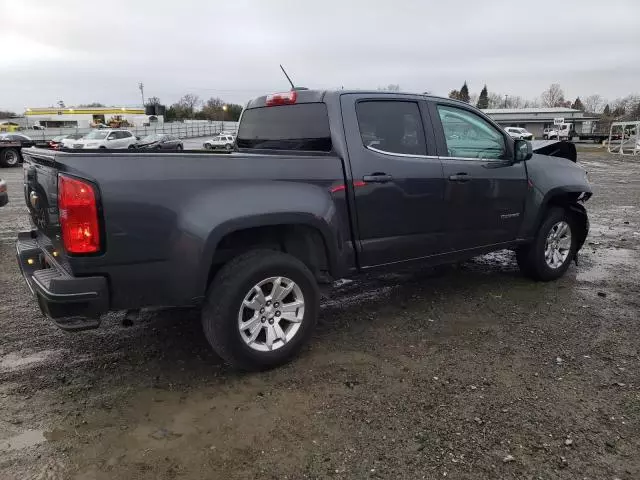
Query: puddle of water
{"points": [[14, 361], [30, 438], [605, 263]]}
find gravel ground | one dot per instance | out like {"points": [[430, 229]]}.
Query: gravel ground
{"points": [[470, 372]]}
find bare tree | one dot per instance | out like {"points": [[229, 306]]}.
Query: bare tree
{"points": [[189, 101], [390, 88], [553, 96], [153, 101], [593, 103]]}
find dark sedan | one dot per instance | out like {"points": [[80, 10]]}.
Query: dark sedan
{"points": [[25, 141], [160, 141]]}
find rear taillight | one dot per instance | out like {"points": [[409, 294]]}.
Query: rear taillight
{"points": [[78, 215], [287, 98]]}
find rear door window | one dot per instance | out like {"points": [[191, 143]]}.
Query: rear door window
{"points": [[391, 126], [301, 127]]}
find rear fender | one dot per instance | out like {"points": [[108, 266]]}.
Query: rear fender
{"points": [[263, 205]]}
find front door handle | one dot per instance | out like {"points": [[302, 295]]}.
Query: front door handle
{"points": [[460, 177], [377, 178]]}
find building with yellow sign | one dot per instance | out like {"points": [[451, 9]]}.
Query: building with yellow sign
{"points": [[90, 117]]}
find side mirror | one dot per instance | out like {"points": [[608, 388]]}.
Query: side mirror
{"points": [[523, 151]]}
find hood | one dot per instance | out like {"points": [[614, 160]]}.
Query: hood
{"points": [[555, 148], [147, 144]]}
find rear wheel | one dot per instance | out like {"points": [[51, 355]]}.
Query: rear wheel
{"points": [[208, 146], [178, 147], [228, 147], [9, 157], [260, 309], [553, 248]]}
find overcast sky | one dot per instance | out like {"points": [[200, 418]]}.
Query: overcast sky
{"points": [[83, 51]]}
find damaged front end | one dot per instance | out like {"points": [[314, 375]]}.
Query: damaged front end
{"points": [[555, 148]]}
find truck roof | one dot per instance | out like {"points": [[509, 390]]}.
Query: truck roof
{"points": [[314, 96]]}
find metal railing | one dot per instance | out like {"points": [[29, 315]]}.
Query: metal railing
{"points": [[624, 138]]}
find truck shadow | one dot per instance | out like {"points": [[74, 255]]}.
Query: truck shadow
{"points": [[167, 347]]}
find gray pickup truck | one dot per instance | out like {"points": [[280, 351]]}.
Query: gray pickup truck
{"points": [[321, 185]]}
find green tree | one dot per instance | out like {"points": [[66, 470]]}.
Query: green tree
{"points": [[577, 105], [233, 112], [455, 94], [464, 93], [7, 114], [91, 105], [483, 100], [607, 111]]}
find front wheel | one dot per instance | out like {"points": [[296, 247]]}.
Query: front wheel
{"points": [[260, 309], [553, 248]]}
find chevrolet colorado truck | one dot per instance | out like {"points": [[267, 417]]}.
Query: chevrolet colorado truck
{"points": [[320, 185]]}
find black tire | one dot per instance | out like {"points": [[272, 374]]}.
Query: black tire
{"points": [[208, 146], [228, 147], [179, 147], [10, 157], [226, 294], [531, 258], [131, 147]]}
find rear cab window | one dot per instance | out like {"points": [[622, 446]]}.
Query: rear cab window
{"points": [[297, 127]]}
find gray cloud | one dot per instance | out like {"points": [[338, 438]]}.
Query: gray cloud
{"points": [[83, 51]]}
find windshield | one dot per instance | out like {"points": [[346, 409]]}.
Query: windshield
{"points": [[96, 135], [152, 138]]}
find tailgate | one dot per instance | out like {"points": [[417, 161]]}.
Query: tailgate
{"points": [[41, 192]]}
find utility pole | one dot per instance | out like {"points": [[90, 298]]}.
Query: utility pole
{"points": [[141, 87], [505, 100]]}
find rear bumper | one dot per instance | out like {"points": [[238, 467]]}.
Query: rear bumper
{"points": [[74, 303]]}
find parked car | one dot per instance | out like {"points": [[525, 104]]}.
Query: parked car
{"points": [[4, 196], [519, 133], [65, 141], [160, 141], [220, 142], [107, 138], [303, 201]]}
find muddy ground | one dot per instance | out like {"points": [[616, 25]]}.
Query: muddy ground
{"points": [[468, 373]]}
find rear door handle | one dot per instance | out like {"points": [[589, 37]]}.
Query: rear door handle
{"points": [[377, 178], [460, 177]]}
